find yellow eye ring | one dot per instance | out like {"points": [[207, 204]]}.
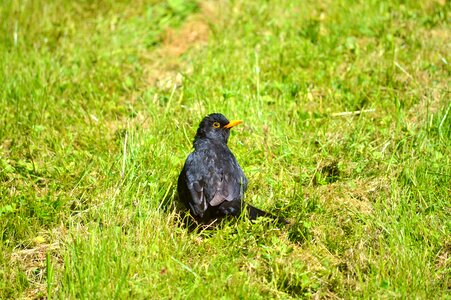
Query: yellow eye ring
{"points": [[216, 125]]}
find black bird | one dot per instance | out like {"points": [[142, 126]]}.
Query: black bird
{"points": [[212, 183]]}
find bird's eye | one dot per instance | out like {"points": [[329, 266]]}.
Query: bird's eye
{"points": [[216, 125]]}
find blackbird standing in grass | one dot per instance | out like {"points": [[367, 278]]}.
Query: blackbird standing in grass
{"points": [[212, 183]]}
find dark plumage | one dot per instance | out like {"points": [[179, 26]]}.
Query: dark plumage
{"points": [[212, 183]]}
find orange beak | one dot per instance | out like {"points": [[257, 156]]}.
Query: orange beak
{"points": [[233, 123]]}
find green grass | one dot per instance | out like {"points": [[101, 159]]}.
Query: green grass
{"points": [[368, 195]]}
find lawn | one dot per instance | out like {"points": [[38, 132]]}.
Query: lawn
{"points": [[347, 134]]}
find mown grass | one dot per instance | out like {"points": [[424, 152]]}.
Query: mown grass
{"points": [[368, 195]]}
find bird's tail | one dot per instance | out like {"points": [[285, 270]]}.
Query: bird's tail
{"points": [[254, 213]]}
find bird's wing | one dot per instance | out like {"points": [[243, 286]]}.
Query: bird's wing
{"points": [[213, 180], [193, 180], [225, 181]]}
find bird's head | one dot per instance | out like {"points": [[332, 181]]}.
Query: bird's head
{"points": [[215, 127]]}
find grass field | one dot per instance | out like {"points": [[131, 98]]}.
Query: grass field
{"points": [[368, 194]]}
